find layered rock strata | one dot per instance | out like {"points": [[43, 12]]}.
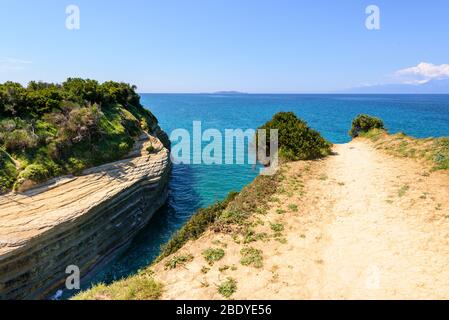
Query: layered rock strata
{"points": [[82, 221]]}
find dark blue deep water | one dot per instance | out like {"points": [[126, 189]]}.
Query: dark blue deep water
{"points": [[196, 186]]}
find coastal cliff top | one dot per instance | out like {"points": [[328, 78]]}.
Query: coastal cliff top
{"points": [[27, 215], [369, 221], [359, 224]]}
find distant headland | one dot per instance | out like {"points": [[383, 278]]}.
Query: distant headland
{"points": [[229, 92]]}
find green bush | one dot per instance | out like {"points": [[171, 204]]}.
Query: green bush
{"points": [[227, 288], [441, 154], [151, 149], [176, 261], [297, 141], [212, 255], [75, 166], [33, 172], [19, 139], [141, 286], [252, 257], [363, 124], [124, 147], [8, 172]]}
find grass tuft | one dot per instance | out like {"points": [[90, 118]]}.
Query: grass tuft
{"points": [[177, 261], [212, 255], [403, 190], [137, 287], [251, 257], [227, 288]]}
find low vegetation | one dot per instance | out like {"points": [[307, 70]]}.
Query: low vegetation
{"points": [[251, 257], [47, 130], [234, 210], [213, 255], [403, 190], [195, 227], [277, 227], [297, 141], [177, 261], [151, 149], [434, 151], [138, 287], [227, 288], [252, 236], [8, 171]]}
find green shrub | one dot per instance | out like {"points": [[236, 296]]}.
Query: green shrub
{"points": [[33, 172], [176, 261], [75, 166], [251, 257], [212, 255], [228, 288], [151, 149], [277, 227], [441, 154], [19, 139], [363, 124], [130, 123], [8, 172], [138, 287], [297, 141], [124, 148]]}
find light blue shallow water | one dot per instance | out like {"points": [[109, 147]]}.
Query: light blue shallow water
{"points": [[196, 186]]}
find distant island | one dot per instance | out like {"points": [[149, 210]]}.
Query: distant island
{"points": [[229, 92]]}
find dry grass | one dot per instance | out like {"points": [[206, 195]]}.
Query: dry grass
{"points": [[434, 151], [177, 261], [137, 287]]}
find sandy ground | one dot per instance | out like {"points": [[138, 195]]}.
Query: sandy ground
{"points": [[368, 226]]}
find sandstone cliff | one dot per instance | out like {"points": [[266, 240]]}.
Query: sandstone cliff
{"points": [[82, 221]]}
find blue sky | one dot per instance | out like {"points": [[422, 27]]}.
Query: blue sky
{"points": [[210, 45]]}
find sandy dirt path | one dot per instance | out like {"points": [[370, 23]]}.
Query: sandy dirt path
{"points": [[388, 237], [368, 226]]}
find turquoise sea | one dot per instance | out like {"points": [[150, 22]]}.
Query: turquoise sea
{"points": [[196, 186]]}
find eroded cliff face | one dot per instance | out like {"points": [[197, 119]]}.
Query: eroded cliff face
{"points": [[83, 221]]}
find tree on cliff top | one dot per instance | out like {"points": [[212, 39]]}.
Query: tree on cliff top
{"points": [[363, 123], [297, 141]]}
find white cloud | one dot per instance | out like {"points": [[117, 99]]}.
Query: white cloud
{"points": [[423, 73], [12, 64]]}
